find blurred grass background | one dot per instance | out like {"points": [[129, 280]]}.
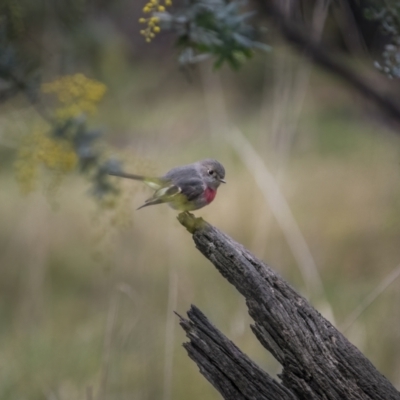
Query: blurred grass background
{"points": [[86, 307]]}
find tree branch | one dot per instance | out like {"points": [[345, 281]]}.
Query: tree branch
{"points": [[327, 59], [318, 362], [225, 366]]}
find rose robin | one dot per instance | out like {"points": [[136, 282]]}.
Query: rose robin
{"points": [[186, 188]]}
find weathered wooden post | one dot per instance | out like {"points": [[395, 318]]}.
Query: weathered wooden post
{"points": [[318, 362]]}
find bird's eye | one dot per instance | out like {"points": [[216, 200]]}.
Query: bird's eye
{"points": [[210, 172]]}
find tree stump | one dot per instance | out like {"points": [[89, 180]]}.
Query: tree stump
{"points": [[318, 362]]}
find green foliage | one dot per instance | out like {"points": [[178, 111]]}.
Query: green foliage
{"points": [[388, 15], [213, 28], [64, 143], [92, 162]]}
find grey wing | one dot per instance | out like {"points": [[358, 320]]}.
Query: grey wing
{"points": [[191, 188], [188, 179], [181, 185], [186, 190]]}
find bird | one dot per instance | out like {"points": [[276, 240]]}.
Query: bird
{"points": [[186, 187]]}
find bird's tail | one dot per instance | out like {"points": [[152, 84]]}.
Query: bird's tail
{"points": [[129, 176], [154, 183]]}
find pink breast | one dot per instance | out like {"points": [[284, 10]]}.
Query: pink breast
{"points": [[210, 194]]}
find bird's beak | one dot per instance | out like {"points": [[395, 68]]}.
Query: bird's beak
{"points": [[222, 180]]}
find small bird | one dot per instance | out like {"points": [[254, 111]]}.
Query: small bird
{"points": [[186, 188]]}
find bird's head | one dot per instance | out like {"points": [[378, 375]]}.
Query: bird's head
{"points": [[213, 172]]}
